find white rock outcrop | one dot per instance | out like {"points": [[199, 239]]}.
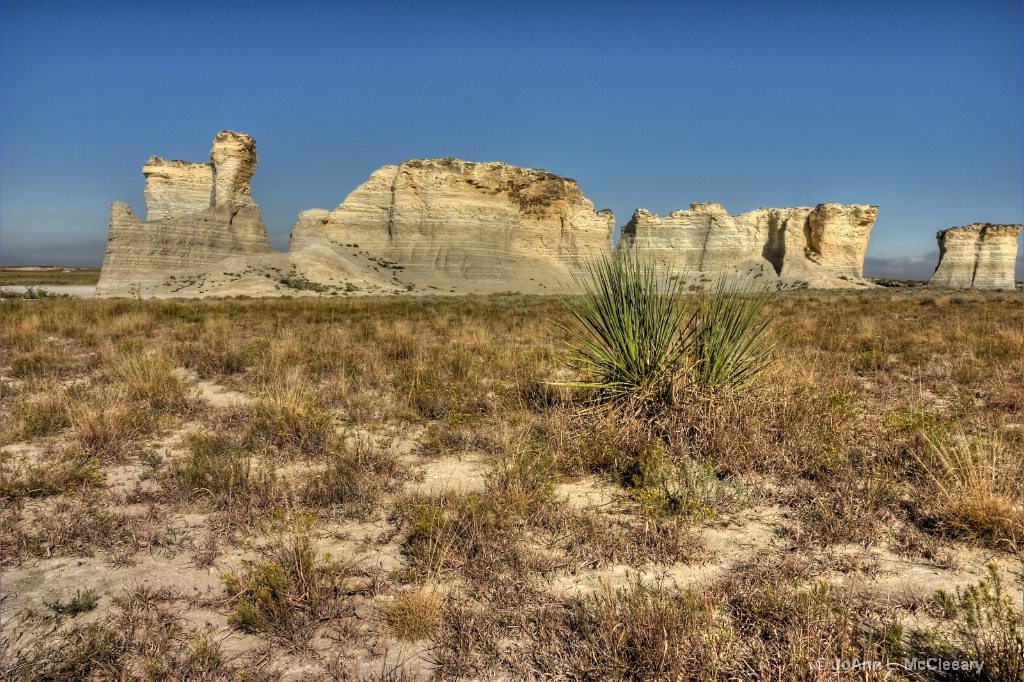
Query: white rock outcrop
{"points": [[978, 256], [201, 217], [822, 246], [447, 224]]}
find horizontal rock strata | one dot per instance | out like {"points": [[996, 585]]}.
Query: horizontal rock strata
{"points": [[978, 256], [199, 216], [447, 224], [821, 246]]}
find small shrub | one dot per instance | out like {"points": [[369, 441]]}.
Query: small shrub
{"points": [[987, 627], [683, 487], [290, 595], [83, 602]]}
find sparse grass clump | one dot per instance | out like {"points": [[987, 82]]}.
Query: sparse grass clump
{"points": [[111, 428], [465, 532], [218, 351], [66, 472], [977, 488], [216, 466], [219, 472], [150, 379], [84, 525], [40, 415], [141, 637], [356, 476], [290, 595], [83, 602], [290, 420], [413, 615], [640, 632]]}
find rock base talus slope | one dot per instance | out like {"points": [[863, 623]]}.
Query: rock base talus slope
{"points": [[978, 256], [450, 225], [201, 218], [821, 247]]}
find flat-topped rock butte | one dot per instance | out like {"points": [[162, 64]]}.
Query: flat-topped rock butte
{"points": [[447, 224], [200, 217], [822, 246], [978, 256], [452, 226]]}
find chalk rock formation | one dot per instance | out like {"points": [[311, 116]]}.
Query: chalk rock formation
{"points": [[822, 246], [978, 256], [447, 224], [199, 215]]}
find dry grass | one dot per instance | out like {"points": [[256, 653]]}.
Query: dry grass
{"points": [[980, 488], [109, 429], [356, 476], [65, 472], [888, 421], [290, 594], [413, 615]]}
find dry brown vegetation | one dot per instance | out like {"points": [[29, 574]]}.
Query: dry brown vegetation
{"points": [[401, 489]]}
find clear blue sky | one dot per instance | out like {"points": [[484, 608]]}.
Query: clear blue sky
{"points": [[913, 106]]}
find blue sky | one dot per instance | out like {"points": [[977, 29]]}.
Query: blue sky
{"points": [[913, 106]]}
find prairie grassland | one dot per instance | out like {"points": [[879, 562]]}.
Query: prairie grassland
{"points": [[405, 489]]}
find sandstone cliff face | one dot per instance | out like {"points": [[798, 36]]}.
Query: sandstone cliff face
{"points": [[451, 226], [456, 225], [839, 236], [823, 246], [978, 256], [198, 215]]}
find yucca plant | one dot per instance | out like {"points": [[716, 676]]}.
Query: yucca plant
{"points": [[640, 339], [633, 330], [729, 345]]}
